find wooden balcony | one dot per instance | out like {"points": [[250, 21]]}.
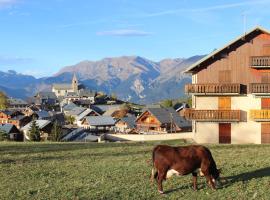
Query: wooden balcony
{"points": [[259, 115], [260, 61], [215, 89], [213, 115], [259, 88]]}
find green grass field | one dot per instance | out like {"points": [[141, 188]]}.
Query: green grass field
{"points": [[121, 171]]}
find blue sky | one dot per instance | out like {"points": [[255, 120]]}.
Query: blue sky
{"points": [[39, 37]]}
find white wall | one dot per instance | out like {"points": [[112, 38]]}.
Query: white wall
{"points": [[136, 137], [206, 103], [206, 132], [246, 131]]}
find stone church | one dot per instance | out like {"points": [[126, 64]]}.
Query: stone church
{"points": [[62, 90]]}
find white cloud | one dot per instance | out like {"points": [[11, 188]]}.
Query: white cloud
{"points": [[206, 9], [7, 60], [125, 32], [7, 3]]}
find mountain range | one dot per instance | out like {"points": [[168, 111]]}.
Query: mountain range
{"points": [[131, 78]]}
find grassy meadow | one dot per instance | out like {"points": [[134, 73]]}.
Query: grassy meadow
{"points": [[121, 171]]}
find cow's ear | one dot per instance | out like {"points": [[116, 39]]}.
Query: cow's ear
{"points": [[220, 170]]}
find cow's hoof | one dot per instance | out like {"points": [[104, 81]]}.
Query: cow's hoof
{"points": [[161, 192]]}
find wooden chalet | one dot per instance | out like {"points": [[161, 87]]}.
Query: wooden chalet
{"points": [[126, 124], [13, 117], [45, 127], [98, 123], [161, 120], [231, 91], [12, 131]]}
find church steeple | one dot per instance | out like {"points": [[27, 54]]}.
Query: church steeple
{"points": [[75, 83]]}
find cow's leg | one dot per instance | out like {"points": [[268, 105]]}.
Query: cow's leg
{"points": [[210, 181], [154, 175], [161, 177], [194, 177]]}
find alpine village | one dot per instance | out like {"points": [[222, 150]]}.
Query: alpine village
{"points": [[229, 93]]}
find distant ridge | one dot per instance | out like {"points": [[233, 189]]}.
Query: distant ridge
{"points": [[131, 78]]}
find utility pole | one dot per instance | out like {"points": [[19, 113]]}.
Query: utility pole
{"points": [[244, 22], [171, 121]]}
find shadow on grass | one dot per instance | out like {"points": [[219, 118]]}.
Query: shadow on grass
{"points": [[184, 187], [247, 176]]}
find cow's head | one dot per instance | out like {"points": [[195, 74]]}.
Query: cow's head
{"points": [[216, 176]]}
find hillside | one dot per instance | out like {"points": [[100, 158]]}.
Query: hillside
{"points": [[122, 171], [131, 78]]}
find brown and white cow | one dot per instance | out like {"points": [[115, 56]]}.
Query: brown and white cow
{"points": [[168, 161]]}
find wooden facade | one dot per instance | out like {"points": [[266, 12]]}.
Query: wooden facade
{"points": [[236, 66], [218, 89], [147, 122], [213, 115], [231, 86]]}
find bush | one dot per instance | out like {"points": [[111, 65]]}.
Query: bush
{"points": [[3, 135]]}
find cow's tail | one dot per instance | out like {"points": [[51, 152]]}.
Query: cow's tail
{"points": [[154, 173]]}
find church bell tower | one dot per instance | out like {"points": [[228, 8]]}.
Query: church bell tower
{"points": [[75, 83]]}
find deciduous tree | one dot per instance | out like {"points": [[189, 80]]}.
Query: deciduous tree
{"points": [[3, 101], [56, 131]]}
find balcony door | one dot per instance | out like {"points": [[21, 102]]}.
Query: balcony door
{"points": [[265, 135], [224, 133], [224, 103], [265, 127]]}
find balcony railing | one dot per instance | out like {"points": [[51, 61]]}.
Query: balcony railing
{"points": [[214, 89], [213, 115], [259, 115], [259, 88], [260, 61]]}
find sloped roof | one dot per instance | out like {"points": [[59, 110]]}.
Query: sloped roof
{"points": [[62, 86], [209, 56], [13, 101], [181, 106], [161, 114], [168, 115], [40, 123], [86, 93], [46, 95], [104, 108], [18, 117], [8, 128], [43, 114], [179, 120], [69, 106], [85, 113], [110, 111], [100, 120], [130, 120], [7, 112], [76, 111]]}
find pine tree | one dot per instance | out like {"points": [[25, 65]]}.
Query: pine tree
{"points": [[34, 132], [56, 131]]}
